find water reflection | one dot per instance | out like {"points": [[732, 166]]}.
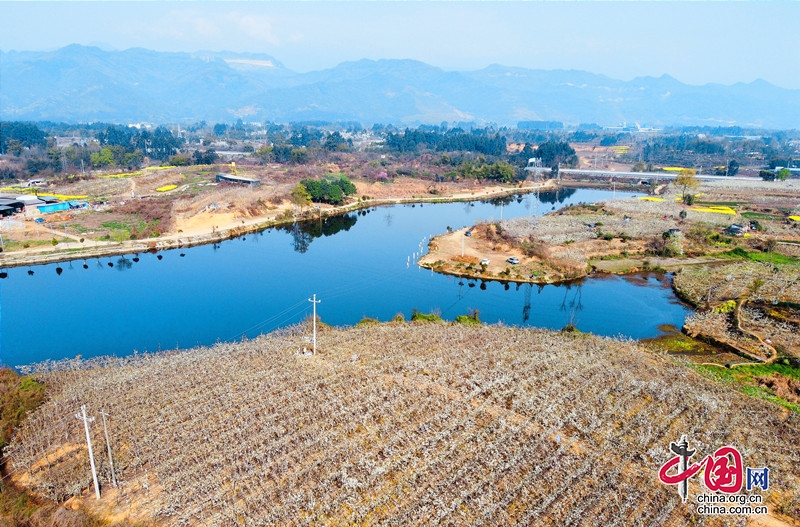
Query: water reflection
{"points": [[550, 197], [556, 196], [303, 233], [123, 263]]}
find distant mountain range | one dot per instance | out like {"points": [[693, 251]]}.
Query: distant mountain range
{"points": [[87, 84]]}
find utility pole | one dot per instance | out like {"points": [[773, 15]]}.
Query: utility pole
{"points": [[108, 444], [314, 341], [86, 422]]}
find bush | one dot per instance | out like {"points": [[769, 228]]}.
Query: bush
{"points": [[726, 307], [767, 175], [469, 320], [424, 317]]}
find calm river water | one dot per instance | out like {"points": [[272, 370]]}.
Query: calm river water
{"points": [[359, 265]]}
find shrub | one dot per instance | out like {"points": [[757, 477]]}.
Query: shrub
{"points": [[726, 307], [471, 319], [424, 317]]}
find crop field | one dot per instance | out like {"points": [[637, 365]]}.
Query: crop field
{"points": [[423, 423], [766, 326]]}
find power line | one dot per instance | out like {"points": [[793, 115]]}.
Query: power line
{"points": [[268, 320], [108, 444]]}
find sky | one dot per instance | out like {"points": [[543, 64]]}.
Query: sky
{"points": [[696, 42]]}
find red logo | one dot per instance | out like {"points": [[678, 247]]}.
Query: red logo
{"points": [[723, 471]]}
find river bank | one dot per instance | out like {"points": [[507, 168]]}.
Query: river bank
{"points": [[215, 228]]}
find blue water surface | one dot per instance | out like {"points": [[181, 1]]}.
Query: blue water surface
{"points": [[359, 265]]}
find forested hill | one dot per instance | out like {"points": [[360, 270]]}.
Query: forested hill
{"points": [[78, 83]]}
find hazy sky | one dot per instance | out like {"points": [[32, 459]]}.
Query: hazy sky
{"points": [[695, 42]]}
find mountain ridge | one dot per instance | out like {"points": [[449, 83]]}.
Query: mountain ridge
{"points": [[86, 83]]}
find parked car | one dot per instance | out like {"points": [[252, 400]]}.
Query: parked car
{"points": [[468, 233], [485, 261], [513, 260]]}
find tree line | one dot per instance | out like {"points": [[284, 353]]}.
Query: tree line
{"points": [[455, 140]]}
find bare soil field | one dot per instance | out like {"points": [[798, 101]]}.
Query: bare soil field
{"points": [[399, 424]]}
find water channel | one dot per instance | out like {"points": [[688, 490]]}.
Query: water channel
{"points": [[359, 265]]}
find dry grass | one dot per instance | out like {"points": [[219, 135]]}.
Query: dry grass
{"points": [[401, 424]]}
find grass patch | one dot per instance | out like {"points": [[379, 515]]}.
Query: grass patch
{"points": [[425, 317], [14, 245], [120, 231], [116, 225], [718, 203], [759, 216], [119, 235], [18, 396], [469, 320], [771, 258], [675, 342], [750, 380]]}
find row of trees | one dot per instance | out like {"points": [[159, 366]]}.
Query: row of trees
{"points": [[15, 136], [500, 171], [159, 144], [454, 140], [552, 153]]}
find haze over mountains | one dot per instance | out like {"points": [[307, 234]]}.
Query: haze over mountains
{"points": [[86, 84]]}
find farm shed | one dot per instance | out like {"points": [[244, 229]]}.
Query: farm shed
{"points": [[231, 178]]}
